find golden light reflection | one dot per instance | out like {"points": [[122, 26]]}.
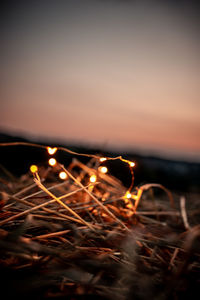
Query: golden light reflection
{"points": [[63, 175], [128, 195], [93, 178], [52, 162], [131, 164], [102, 159], [51, 151], [33, 168], [103, 169]]}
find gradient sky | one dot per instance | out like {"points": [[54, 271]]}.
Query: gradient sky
{"points": [[121, 74]]}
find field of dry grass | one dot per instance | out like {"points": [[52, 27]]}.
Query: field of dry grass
{"points": [[87, 236]]}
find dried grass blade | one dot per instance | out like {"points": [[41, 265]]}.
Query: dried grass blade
{"points": [[183, 213], [50, 235], [169, 194], [106, 210], [38, 182], [37, 207]]}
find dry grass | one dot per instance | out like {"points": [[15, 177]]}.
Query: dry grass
{"points": [[80, 240]]}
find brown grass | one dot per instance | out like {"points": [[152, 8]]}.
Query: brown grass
{"points": [[77, 240]]}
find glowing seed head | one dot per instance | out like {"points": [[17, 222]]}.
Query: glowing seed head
{"points": [[102, 159], [103, 169], [33, 168], [52, 162], [63, 175], [51, 151], [93, 178]]}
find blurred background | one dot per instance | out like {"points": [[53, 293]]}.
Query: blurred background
{"points": [[114, 75], [117, 74]]}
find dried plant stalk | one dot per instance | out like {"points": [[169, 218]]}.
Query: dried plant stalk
{"points": [[104, 208], [38, 182], [95, 244]]}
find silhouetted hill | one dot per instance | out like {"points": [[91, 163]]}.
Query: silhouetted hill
{"points": [[176, 175]]}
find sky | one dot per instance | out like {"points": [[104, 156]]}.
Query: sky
{"points": [[115, 74]]}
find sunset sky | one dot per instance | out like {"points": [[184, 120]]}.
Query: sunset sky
{"points": [[117, 74]]}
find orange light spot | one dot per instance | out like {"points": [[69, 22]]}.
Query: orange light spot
{"points": [[52, 162], [33, 168], [63, 175], [103, 169], [131, 164], [102, 159], [93, 178], [51, 151], [128, 195]]}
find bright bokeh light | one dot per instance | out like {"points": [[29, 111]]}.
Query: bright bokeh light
{"points": [[93, 178], [131, 163], [103, 169], [33, 168], [128, 195], [102, 159], [51, 151], [63, 175], [52, 162]]}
